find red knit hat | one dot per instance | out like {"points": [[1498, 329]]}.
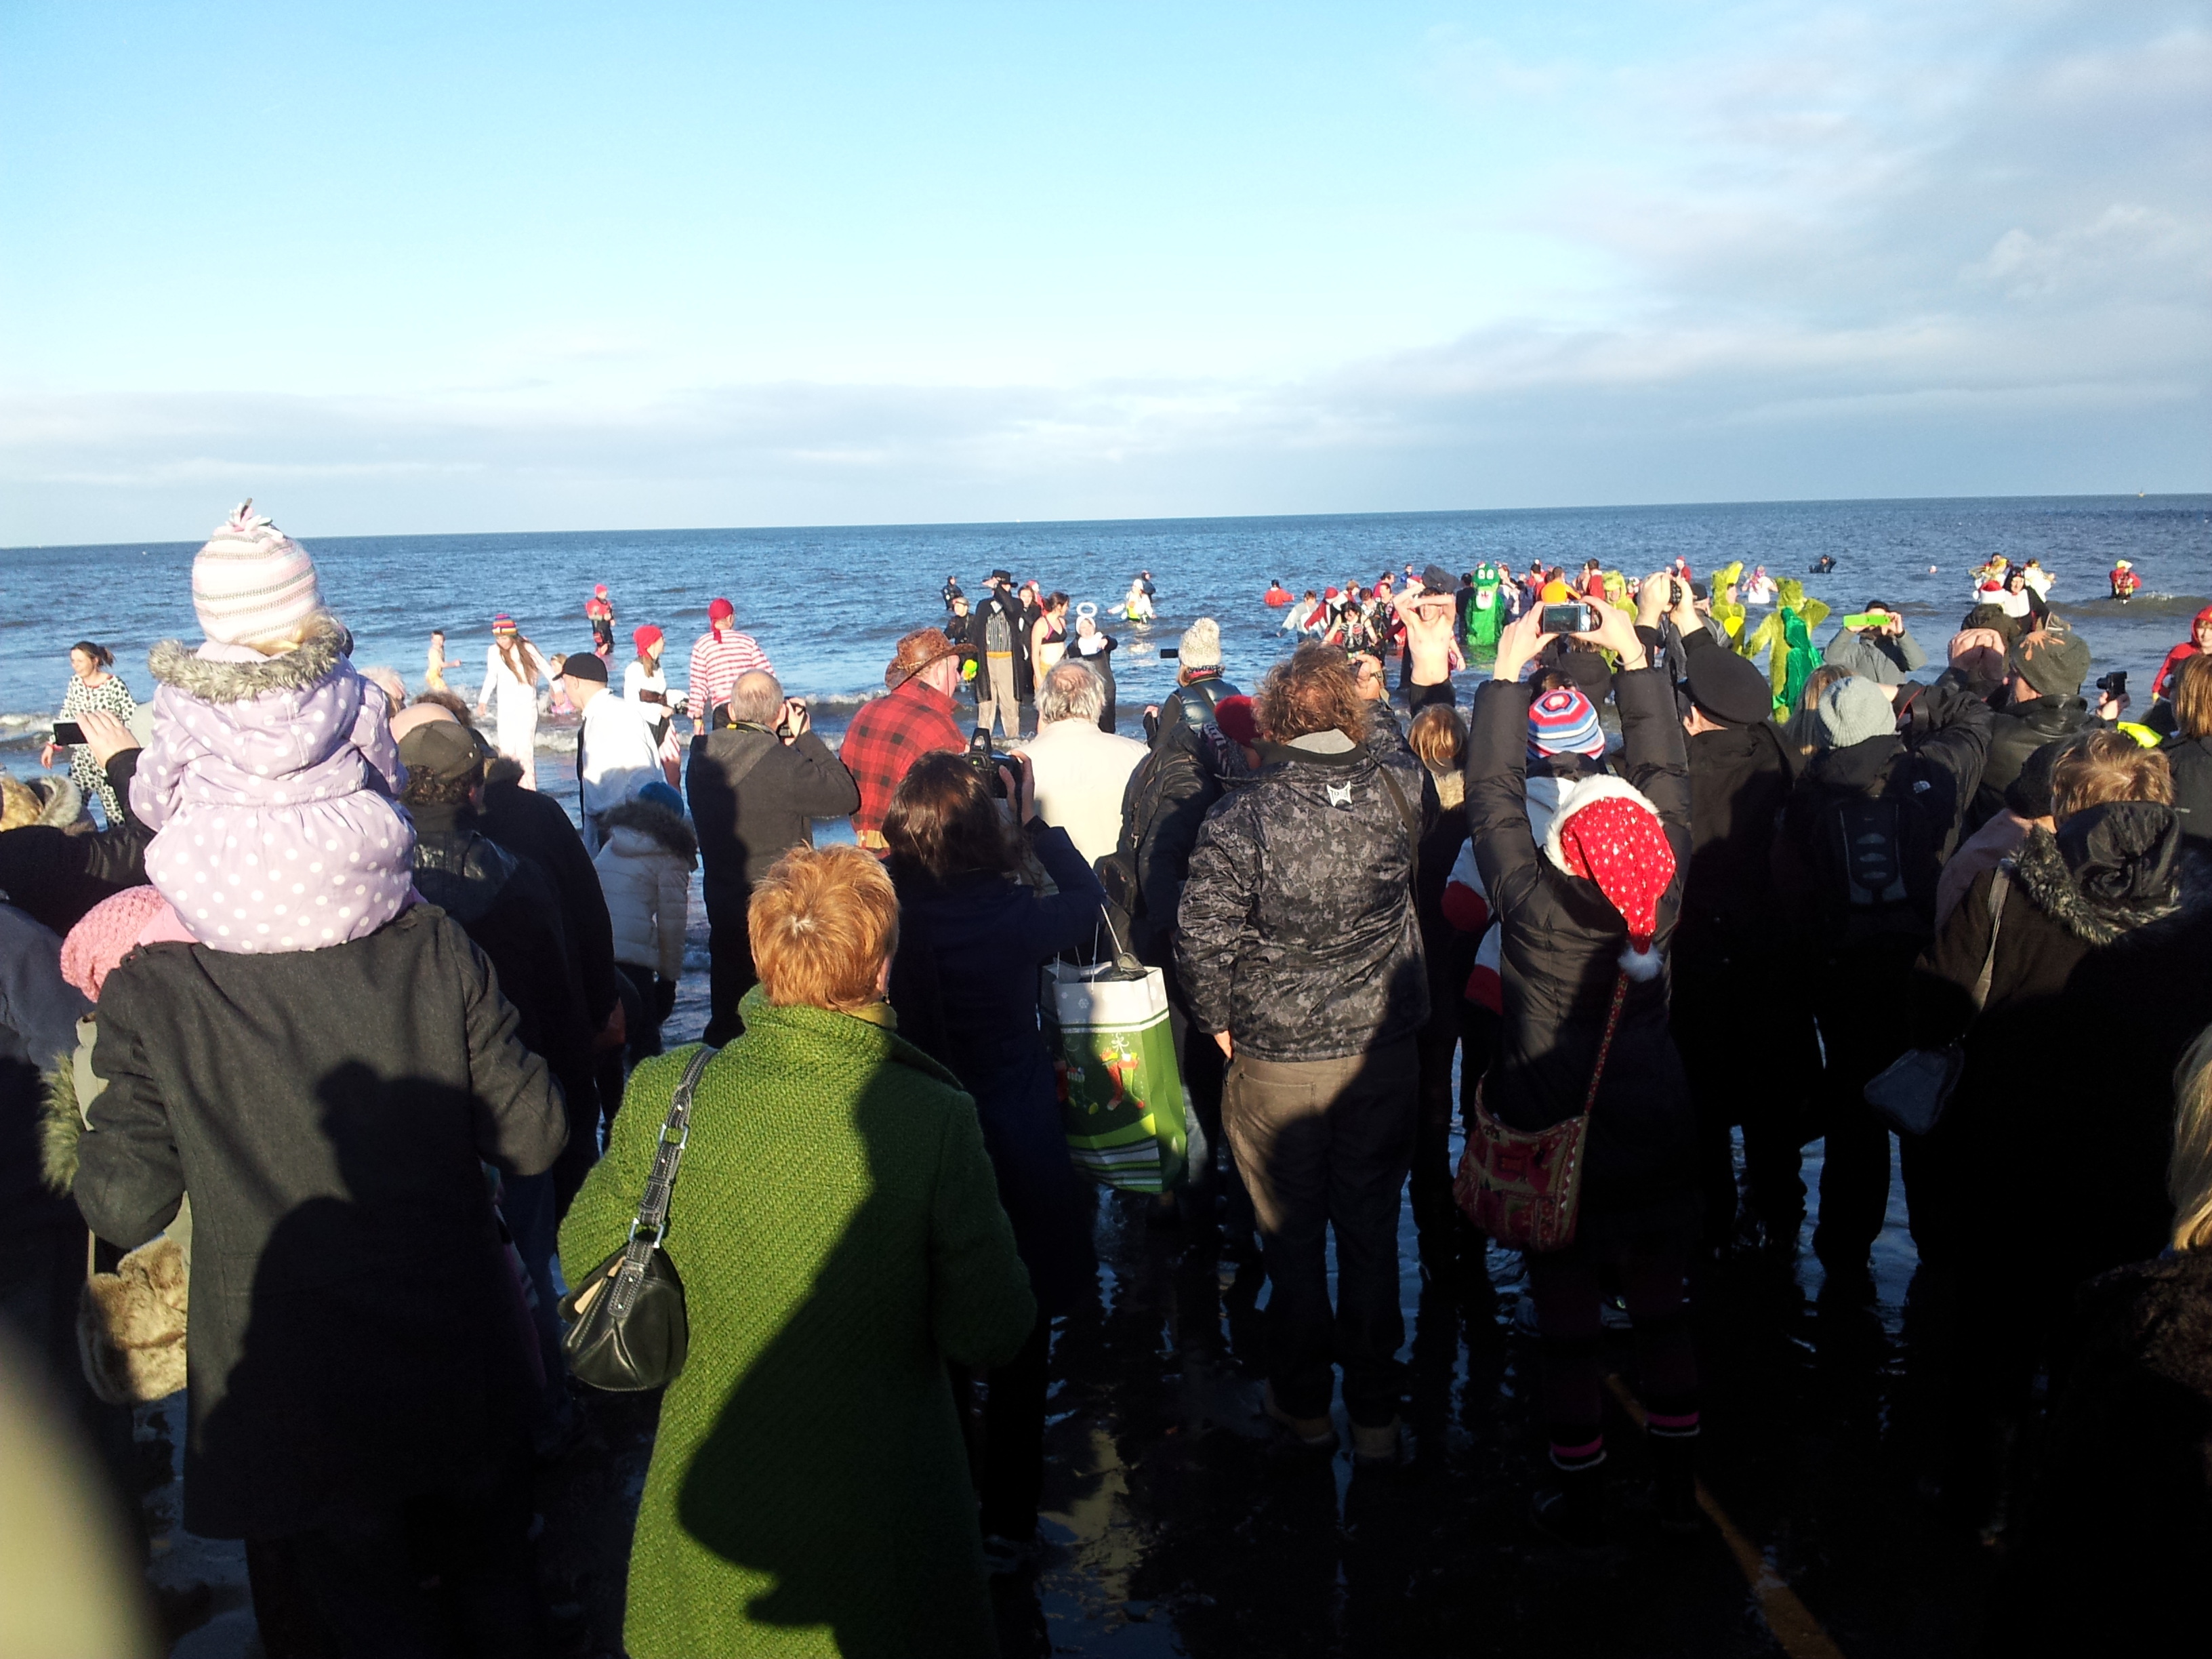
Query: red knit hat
{"points": [[104, 935], [1234, 716], [1613, 837]]}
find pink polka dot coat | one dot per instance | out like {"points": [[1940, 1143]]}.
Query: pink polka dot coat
{"points": [[269, 784]]}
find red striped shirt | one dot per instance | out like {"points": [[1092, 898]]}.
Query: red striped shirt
{"points": [[715, 665]]}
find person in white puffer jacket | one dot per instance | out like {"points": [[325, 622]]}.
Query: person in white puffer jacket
{"points": [[645, 868]]}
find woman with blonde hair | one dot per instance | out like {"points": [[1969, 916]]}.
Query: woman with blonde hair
{"points": [[513, 668], [2111, 1549], [839, 1236], [2189, 751], [1803, 730]]}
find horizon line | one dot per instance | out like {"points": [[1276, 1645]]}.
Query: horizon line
{"points": [[1184, 518]]}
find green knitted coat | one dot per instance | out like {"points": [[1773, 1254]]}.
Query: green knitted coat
{"points": [[838, 1230]]}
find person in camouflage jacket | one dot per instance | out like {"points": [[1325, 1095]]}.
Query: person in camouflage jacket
{"points": [[1298, 946]]}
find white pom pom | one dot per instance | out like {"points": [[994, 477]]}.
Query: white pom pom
{"points": [[1639, 964]]}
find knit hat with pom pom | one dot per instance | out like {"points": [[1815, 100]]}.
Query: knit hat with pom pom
{"points": [[1608, 833], [252, 583]]}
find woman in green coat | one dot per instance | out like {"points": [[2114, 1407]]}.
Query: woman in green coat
{"points": [[837, 1228]]}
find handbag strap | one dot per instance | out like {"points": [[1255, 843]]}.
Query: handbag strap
{"points": [[1605, 1043], [668, 1154], [2000, 885]]}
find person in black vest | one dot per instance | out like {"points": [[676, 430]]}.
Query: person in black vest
{"points": [[756, 788]]}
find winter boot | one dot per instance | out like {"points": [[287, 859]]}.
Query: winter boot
{"points": [[1674, 1480], [1570, 1510], [1314, 1433]]}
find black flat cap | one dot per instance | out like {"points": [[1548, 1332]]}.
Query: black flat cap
{"points": [[584, 666], [1729, 688]]}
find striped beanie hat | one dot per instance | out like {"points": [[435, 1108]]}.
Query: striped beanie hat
{"points": [[1564, 721], [252, 582]]}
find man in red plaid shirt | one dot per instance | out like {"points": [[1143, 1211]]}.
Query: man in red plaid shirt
{"points": [[890, 732]]}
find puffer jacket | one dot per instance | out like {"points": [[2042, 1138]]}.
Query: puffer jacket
{"points": [[1193, 702], [1561, 943], [2191, 759], [1297, 932], [645, 870], [268, 787]]}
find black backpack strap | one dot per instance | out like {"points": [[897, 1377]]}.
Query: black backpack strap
{"points": [[1411, 820]]}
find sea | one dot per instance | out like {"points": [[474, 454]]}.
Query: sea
{"points": [[828, 603]]}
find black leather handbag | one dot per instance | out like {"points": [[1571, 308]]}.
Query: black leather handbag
{"points": [[627, 1330]]}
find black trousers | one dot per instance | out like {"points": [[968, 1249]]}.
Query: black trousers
{"points": [[447, 1573], [1446, 1235], [1204, 1068], [1012, 1466], [1751, 1058], [730, 966]]}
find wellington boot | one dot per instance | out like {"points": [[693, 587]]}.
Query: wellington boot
{"points": [[1314, 1433], [1675, 1483], [1571, 1510]]}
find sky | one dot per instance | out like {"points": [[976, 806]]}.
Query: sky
{"points": [[394, 267]]}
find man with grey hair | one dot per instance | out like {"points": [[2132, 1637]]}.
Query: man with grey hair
{"points": [[756, 787], [1081, 771]]}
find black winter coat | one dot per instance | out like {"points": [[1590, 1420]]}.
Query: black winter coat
{"points": [[754, 798], [2110, 1555], [2017, 731], [1561, 941], [534, 826], [55, 875], [1297, 933], [508, 909], [2064, 1109], [1938, 773], [1741, 778], [356, 1337], [2191, 761], [964, 985], [1163, 805]]}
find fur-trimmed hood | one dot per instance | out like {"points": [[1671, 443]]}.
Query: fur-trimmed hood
{"points": [[241, 676], [60, 803], [2113, 869], [657, 823]]}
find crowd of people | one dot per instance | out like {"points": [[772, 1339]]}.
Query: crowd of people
{"points": [[339, 1045]]}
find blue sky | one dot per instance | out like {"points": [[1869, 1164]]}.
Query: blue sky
{"points": [[392, 267]]}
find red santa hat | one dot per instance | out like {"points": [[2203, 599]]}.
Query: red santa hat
{"points": [[1608, 833]]}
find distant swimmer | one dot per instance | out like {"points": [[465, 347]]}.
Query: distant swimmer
{"points": [[599, 610], [2125, 583], [1278, 595], [1761, 589], [951, 592], [1137, 604], [1822, 565]]}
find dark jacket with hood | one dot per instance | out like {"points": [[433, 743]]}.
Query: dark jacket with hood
{"points": [[534, 826], [355, 1336], [2191, 759], [509, 909], [754, 798], [1297, 932], [2102, 977], [1933, 780], [1741, 778], [1561, 943], [2017, 730], [2110, 1556]]}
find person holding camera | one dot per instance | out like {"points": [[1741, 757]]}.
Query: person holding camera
{"points": [[755, 787], [1881, 648]]}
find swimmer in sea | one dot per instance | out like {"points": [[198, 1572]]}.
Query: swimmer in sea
{"points": [[599, 610]]}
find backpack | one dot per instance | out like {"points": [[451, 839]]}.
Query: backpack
{"points": [[998, 632], [1876, 857]]}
